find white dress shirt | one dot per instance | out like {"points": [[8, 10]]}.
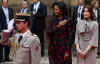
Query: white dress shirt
{"points": [[24, 10], [79, 12], [36, 6], [6, 12], [95, 12]]}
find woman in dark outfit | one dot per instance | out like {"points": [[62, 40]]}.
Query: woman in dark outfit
{"points": [[60, 35]]}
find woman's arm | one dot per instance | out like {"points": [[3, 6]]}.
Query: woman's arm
{"points": [[78, 48], [77, 39], [90, 47], [61, 23]]}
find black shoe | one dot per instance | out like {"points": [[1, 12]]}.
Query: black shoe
{"points": [[2, 60], [8, 60], [42, 55], [98, 56]]}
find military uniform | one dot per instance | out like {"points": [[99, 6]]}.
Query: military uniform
{"points": [[29, 51]]}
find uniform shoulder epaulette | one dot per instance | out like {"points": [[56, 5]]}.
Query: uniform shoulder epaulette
{"points": [[22, 14], [34, 35]]}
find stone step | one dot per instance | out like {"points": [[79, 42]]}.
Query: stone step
{"points": [[45, 60]]}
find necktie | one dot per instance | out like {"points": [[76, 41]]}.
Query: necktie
{"points": [[22, 10], [35, 9], [20, 38], [79, 12]]}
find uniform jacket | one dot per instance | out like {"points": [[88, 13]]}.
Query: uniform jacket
{"points": [[29, 50]]}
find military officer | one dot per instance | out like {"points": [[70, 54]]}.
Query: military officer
{"points": [[29, 51]]}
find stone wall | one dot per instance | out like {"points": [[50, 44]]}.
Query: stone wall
{"points": [[16, 3], [47, 2]]}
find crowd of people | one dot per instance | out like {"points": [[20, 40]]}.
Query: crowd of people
{"points": [[66, 28]]}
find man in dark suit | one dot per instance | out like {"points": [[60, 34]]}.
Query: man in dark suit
{"points": [[6, 14], [39, 13], [76, 14], [98, 20], [78, 10]]}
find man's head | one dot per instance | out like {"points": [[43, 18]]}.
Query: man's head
{"points": [[24, 4], [4, 3], [61, 0], [81, 2], [95, 4], [22, 22], [35, 1]]}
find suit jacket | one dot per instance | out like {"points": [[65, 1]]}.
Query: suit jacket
{"points": [[98, 20], [29, 50], [3, 22], [38, 20], [98, 16], [76, 13]]}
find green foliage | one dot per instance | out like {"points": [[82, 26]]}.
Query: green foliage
{"points": [[88, 2]]}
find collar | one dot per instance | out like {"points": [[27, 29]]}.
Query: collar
{"points": [[24, 8], [4, 7], [94, 10], [37, 3], [28, 31], [81, 6]]}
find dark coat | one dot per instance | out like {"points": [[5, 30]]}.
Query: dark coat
{"points": [[3, 23], [98, 16], [38, 20]]}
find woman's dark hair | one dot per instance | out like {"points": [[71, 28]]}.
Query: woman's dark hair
{"points": [[90, 11], [62, 7]]}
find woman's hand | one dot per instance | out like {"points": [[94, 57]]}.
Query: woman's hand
{"points": [[83, 55], [61, 23], [85, 52], [66, 56]]}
